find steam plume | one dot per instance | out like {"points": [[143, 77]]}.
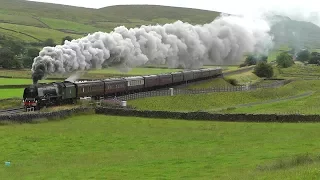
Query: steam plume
{"points": [[222, 41]]}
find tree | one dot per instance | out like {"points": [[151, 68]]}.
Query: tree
{"points": [[253, 59], [284, 60], [264, 58], [49, 42], [33, 52], [6, 58], [263, 69], [250, 60], [314, 58], [303, 55], [68, 38], [15, 46], [28, 59], [18, 62]]}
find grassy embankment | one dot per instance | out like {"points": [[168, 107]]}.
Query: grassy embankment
{"points": [[217, 101], [95, 146]]}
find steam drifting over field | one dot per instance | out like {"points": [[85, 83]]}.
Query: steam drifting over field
{"points": [[179, 44]]}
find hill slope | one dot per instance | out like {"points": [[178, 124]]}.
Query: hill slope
{"points": [[36, 21], [58, 21], [296, 34]]}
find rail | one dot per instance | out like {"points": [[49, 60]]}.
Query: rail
{"points": [[12, 111]]}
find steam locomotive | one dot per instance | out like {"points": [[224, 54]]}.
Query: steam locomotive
{"points": [[51, 94]]}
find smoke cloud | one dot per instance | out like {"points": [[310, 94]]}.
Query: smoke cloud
{"points": [[223, 41]]}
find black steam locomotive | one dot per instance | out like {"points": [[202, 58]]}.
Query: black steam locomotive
{"points": [[57, 93]]}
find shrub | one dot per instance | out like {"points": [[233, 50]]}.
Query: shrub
{"points": [[284, 60], [263, 70]]}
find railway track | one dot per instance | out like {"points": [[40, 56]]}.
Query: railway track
{"points": [[183, 85], [12, 111]]}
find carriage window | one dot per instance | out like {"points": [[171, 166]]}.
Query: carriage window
{"points": [[82, 89]]}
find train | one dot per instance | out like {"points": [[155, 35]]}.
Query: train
{"points": [[37, 96]]}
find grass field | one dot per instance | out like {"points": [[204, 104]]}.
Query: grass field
{"points": [[13, 81], [135, 71], [100, 147], [304, 105], [39, 33], [244, 78], [299, 70], [219, 82], [97, 74], [11, 103], [217, 101], [69, 25], [11, 93], [213, 101]]}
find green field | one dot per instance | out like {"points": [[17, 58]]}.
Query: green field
{"points": [[69, 25], [134, 71], [97, 74], [11, 93], [110, 147], [217, 101], [13, 81], [214, 83], [303, 105], [244, 78], [39, 33], [299, 70]]}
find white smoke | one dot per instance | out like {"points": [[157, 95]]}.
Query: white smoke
{"points": [[75, 76], [224, 41]]}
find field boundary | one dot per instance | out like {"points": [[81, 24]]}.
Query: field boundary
{"points": [[205, 116], [21, 33], [30, 117], [191, 116]]}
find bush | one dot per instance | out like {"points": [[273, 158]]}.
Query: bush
{"points": [[243, 65], [253, 59], [263, 70], [303, 55], [314, 58], [284, 60]]}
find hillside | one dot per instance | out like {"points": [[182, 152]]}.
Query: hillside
{"points": [[296, 34], [35, 21]]}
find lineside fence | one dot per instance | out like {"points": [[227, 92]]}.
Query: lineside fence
{"points": [[172, 92]]}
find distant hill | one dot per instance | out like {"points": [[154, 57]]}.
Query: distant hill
{"points": [[36, 21], [295, 34]]}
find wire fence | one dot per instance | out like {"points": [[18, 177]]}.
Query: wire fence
{"points": [[172, 92]]}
